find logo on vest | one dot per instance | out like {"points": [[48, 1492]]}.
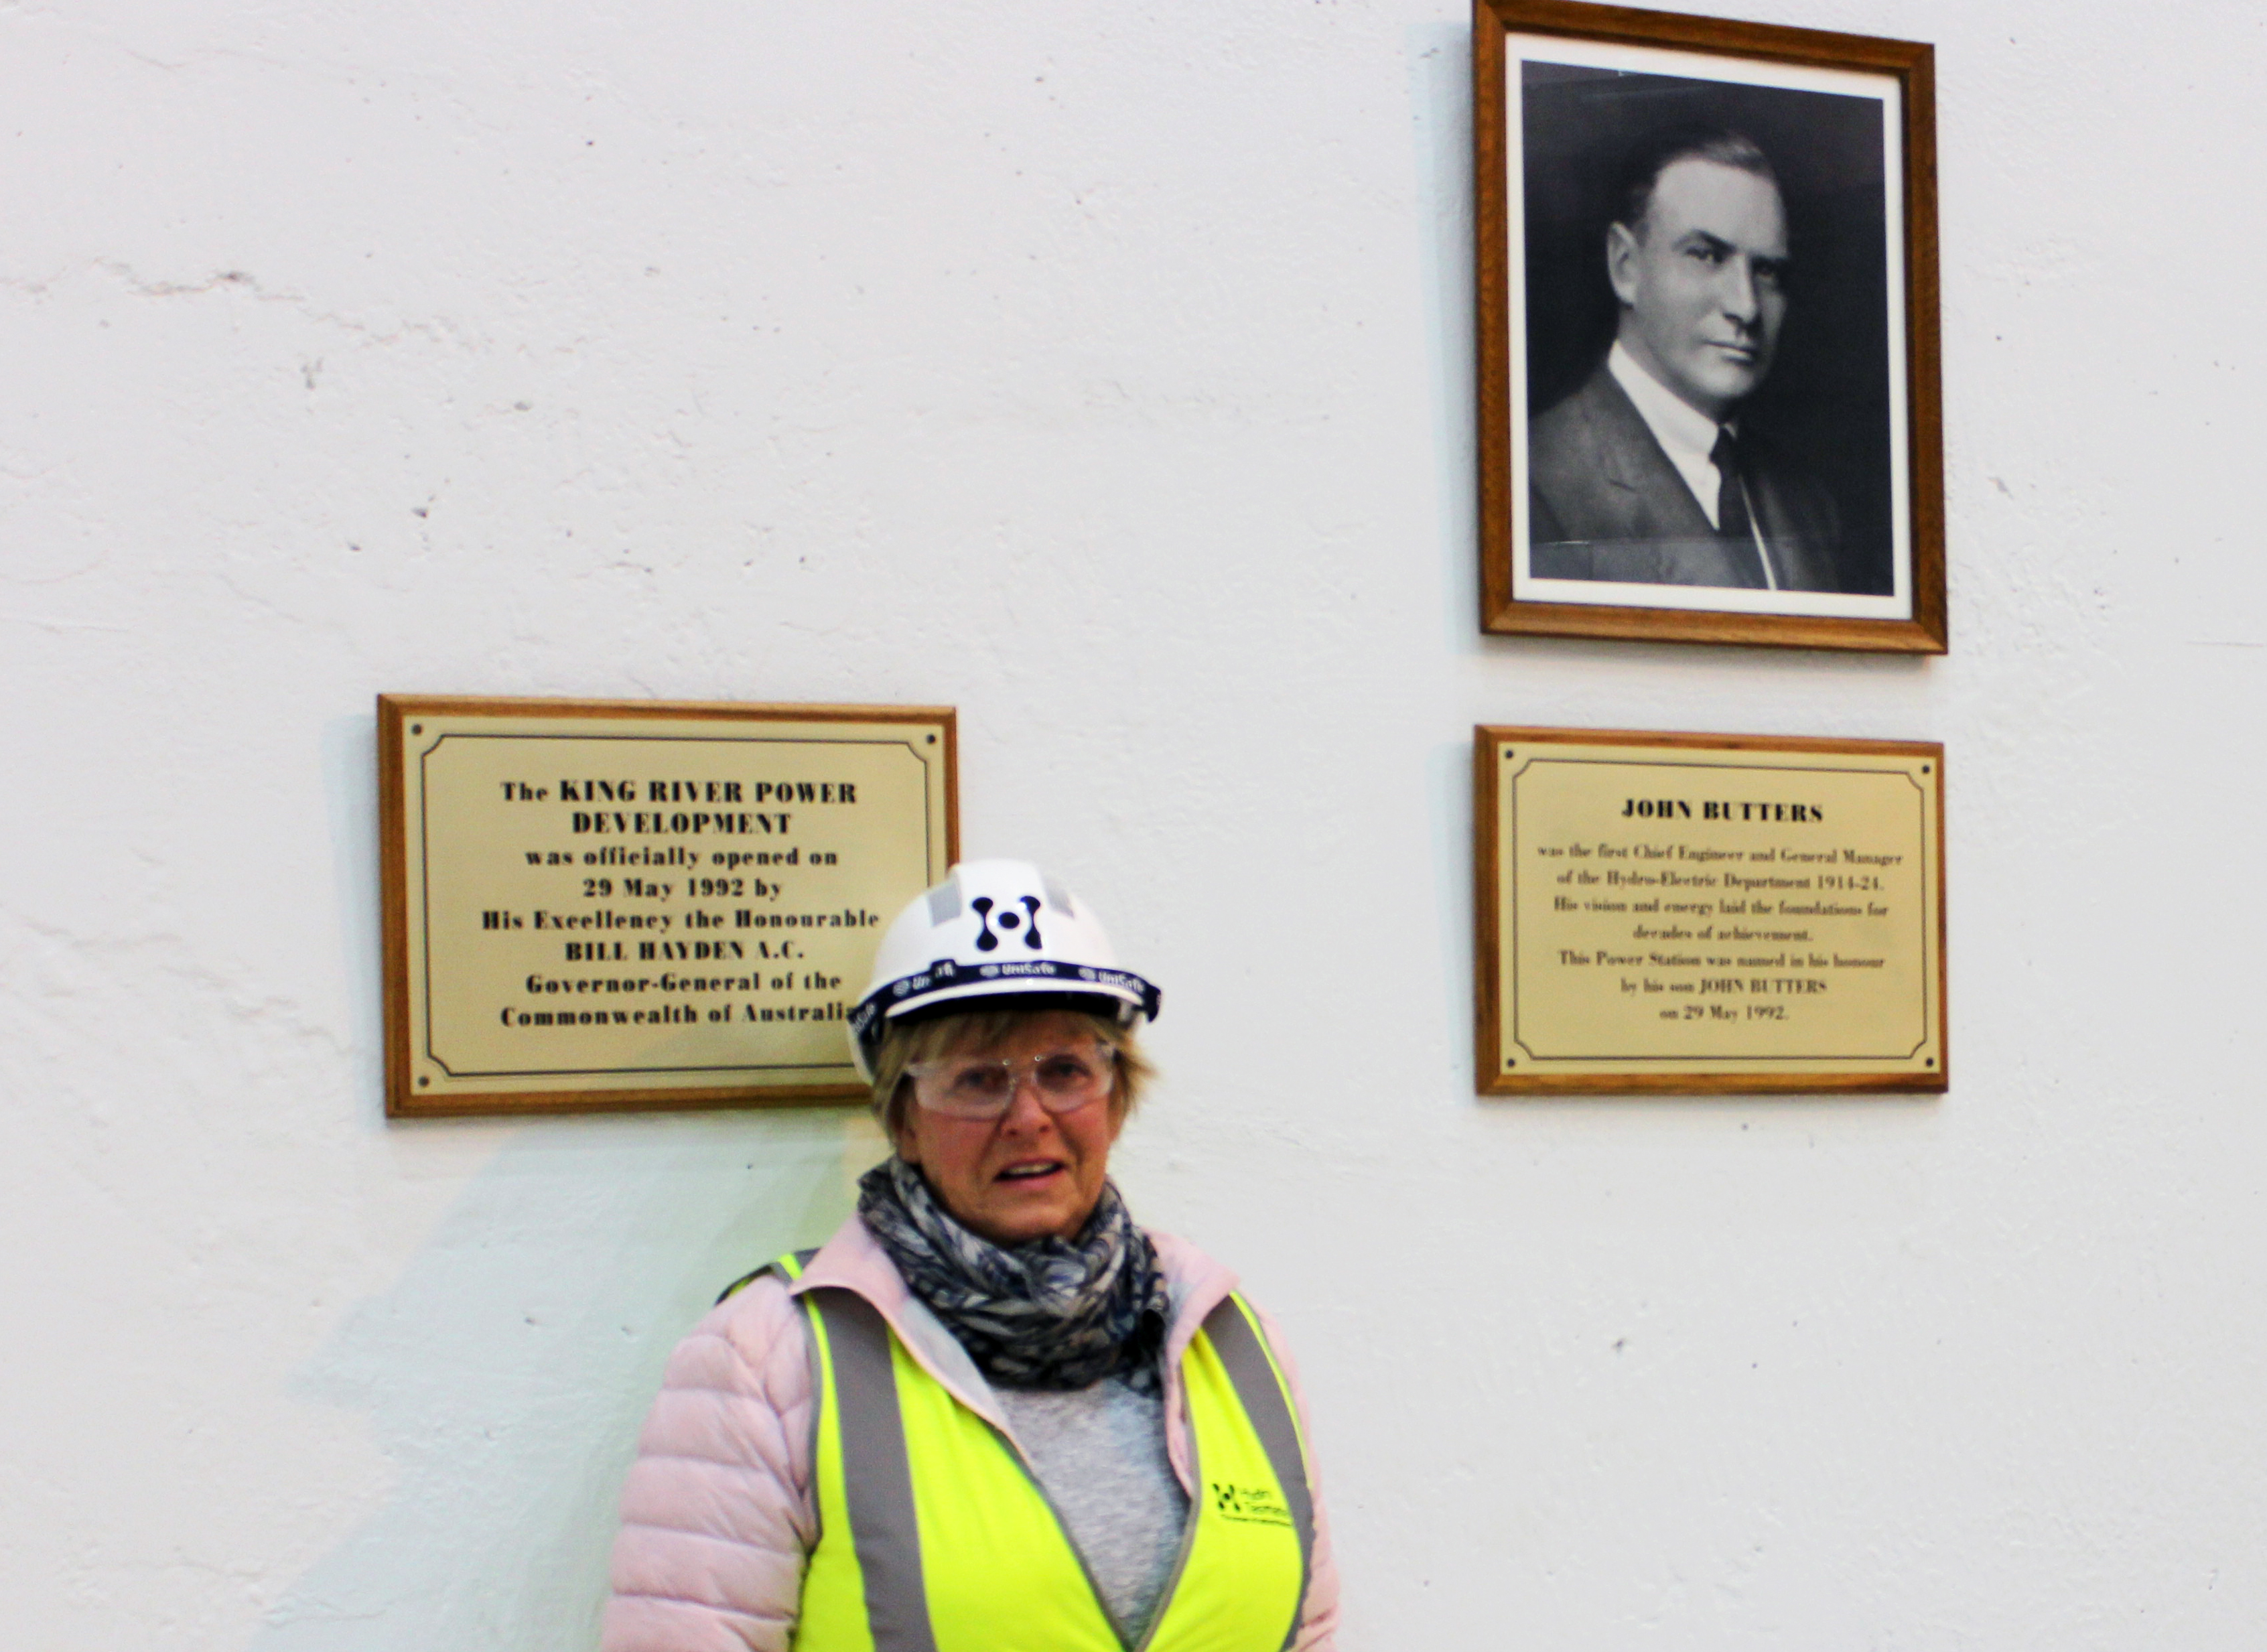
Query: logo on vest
{"points": [[1254, 1505]]}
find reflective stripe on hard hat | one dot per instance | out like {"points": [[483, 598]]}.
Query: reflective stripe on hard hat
{"points": [[935, 1536]]}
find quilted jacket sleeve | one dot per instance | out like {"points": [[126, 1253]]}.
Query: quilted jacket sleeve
{"points": [[717, 1513]]}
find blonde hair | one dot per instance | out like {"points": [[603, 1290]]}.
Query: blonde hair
{"points": [[974, 1032]]}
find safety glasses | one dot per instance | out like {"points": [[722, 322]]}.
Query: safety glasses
{"points": [[975, 1087]]}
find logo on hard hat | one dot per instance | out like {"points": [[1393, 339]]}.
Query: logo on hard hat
{"points": [[1009, 920]]}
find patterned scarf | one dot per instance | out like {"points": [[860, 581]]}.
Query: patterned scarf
{"points": [[1050, 1313]]}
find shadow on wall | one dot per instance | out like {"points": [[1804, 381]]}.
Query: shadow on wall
{"points": [[506, 1373]]}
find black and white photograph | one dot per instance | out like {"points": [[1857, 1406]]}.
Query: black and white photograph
{"points": [[1708, 401]]}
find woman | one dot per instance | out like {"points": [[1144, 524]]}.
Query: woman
{"points": [[991, 1413]]}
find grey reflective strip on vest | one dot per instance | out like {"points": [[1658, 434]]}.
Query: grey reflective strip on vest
{"points": [[878, 1480], [778, 1266], [1236, 1341]]}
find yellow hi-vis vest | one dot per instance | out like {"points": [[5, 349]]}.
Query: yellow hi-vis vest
{"points": [[934, 1536]]}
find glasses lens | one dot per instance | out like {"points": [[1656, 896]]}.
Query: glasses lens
{"points": [[1069, 1077], [979, 1087]]}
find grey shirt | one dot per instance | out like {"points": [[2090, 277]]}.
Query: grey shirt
{"points": [[1099, 1452]]}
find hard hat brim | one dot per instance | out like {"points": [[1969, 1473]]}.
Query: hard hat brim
{"points": [[1063, 985]]}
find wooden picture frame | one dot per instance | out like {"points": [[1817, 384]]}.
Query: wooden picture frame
{"points": [[602, 906], [1599, 384], [1698, 914]]}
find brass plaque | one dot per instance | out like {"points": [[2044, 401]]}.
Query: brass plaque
{"points": [[1699, 913], [592, 905]]}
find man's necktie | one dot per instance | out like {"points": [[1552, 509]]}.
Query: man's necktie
{"points": [[1732, 524]]}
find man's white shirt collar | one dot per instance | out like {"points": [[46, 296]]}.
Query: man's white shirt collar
{"points": [[1687, 435]]}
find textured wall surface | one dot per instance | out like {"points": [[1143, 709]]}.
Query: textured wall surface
{"points": [[1104, 370]]}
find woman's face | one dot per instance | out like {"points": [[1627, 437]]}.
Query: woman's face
{"points": [[1029, 1172]]}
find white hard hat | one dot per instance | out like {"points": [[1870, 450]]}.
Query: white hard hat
{"points": [[995, 930]]}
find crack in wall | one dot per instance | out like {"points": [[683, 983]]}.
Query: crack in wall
{"points": [[243, 281]]}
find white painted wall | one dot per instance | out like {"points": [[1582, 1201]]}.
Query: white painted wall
{"points": [[1103, 370]]}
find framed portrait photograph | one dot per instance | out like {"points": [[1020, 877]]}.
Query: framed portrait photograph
{"points": [[1710, 405]]}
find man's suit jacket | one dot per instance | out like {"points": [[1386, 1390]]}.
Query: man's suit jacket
{"points": [[1605, 503]]}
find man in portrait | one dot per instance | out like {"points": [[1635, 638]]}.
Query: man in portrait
{"points": [[1647, 473]]}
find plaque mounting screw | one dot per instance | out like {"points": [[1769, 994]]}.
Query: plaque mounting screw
{"points": [[424, 1082], [417, 728]]}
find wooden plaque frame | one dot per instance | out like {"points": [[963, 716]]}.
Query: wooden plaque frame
{"points": [[1495, 1074], [400, 719], [1913, 66]]}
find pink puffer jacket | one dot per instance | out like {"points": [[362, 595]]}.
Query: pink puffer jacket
{"points": [[717, 1514]]}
